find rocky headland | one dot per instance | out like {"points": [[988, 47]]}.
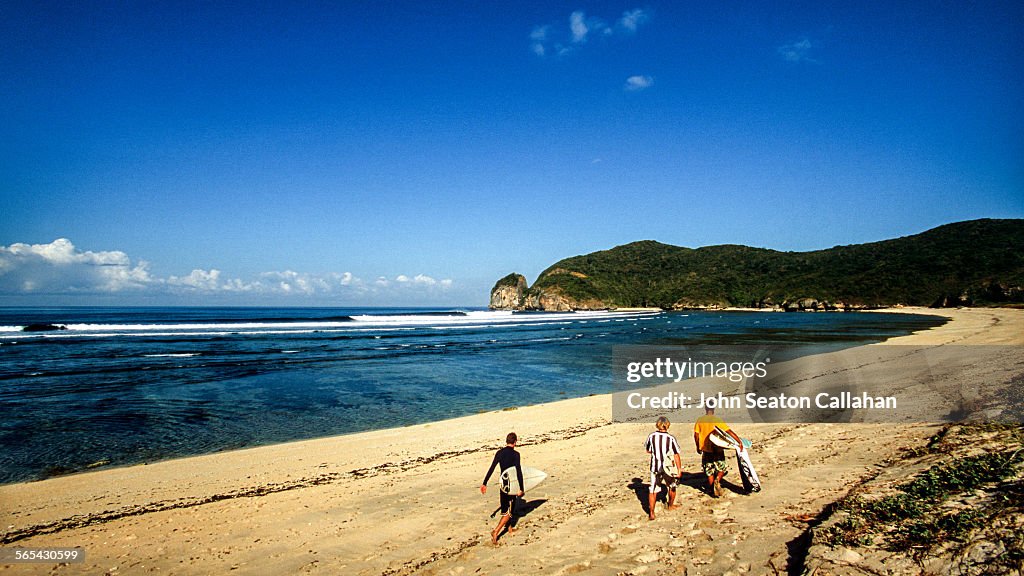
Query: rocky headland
{"points": [[973, 263]]}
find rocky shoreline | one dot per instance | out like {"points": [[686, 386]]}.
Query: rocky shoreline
{"points": [[513, 293]]}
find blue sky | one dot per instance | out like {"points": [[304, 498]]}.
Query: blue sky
{"points": [[406, 154]]}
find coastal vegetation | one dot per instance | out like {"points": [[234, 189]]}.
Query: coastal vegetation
{"points": [[978, 262], [967, 499]]}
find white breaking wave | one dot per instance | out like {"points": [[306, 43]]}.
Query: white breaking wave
{"points": [[416, 319], [219, 326], [359, 323], [505, 325], [493, 318]]}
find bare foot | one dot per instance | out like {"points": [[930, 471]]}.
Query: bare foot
{"points": [[494, 537], [674, 507]]}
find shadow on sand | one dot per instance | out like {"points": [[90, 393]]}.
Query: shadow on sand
{"points": [[521, 508], [697, 482]]}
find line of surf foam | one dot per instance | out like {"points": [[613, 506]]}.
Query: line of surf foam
{"points": [[204, 326], [497, 318], [204, 333], [359, 323]]}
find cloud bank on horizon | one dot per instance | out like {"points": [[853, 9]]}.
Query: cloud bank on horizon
{"points": [[61, 268]]}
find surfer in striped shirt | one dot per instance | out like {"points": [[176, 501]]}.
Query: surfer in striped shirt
{"points": [[665, 464]]}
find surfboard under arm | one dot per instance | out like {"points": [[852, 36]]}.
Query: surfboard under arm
{"points": [[531, 478]]}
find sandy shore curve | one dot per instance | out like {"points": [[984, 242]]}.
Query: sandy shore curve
{"points": [[405, 500]]}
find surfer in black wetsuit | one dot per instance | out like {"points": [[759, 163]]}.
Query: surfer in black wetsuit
{"points": [[506, 457]]}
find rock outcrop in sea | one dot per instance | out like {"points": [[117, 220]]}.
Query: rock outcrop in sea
{"points": [[512, 293]]}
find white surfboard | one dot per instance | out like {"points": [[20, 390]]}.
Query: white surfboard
{"points": [[748, 475], [531, 477], [670, 468], [722, 439], [751, 483]]}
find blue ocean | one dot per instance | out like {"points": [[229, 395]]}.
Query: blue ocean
{"points": [[120, 386]]}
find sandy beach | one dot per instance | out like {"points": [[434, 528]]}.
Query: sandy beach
{"points": [[406, 500]]}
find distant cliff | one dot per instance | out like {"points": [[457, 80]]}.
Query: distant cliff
{"points": [[979, 262]]}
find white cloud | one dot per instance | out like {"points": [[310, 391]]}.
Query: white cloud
{"points": [[546, 40], [637, 83], [200, 279], [62, 251], [291, 282], [632, 19], [538, 38], [237, 285], [578, 26], [421, 280], [796, 52], [61, 268]]}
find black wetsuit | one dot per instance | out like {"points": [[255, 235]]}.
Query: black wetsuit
{"points": [[507, 457]]}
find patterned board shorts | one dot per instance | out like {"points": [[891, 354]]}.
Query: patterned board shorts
{"points": [[659, 477], [713, 462]]}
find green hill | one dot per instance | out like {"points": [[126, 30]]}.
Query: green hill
{"points": [[978, 262]]}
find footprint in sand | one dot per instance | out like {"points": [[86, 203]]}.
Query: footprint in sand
{"points": [[703, 555], [707, 523], [647, 558]]}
